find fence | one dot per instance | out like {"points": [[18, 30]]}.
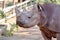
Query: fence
{"points": [[1, 4], [10, 12]]}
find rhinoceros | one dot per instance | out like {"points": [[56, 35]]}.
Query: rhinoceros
{"points": [[46, 16]]}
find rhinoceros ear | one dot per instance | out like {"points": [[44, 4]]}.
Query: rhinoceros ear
{"points": [[17, 10], [42, 10]]}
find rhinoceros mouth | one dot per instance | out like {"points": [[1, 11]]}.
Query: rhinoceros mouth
{"points": [[22, 24]]}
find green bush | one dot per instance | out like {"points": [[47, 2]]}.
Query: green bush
{"points": [[13, 26], [9, 4], [2, 15], [49, 1]]}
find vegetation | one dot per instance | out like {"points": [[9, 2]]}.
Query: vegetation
{"points": [[13, 26], [10, 32], [49, 1], [2, 15], [9, 4]]}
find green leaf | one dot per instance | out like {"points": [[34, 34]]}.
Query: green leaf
{"points": [[2, 15]]}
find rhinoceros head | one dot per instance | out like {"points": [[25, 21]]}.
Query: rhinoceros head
{"points": [[27, 18]]}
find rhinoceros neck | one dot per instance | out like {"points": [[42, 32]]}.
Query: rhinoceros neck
{"points": [[48, 10]]}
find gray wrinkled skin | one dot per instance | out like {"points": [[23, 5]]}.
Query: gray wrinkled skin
{"points": [[48, 15], [28, 18]]}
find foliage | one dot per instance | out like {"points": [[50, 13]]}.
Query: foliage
{"points": [[10, 32], [2, 15], [9, 4], [49, 1]]}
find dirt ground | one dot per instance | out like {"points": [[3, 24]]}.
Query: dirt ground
{"points": [[25, 34]]}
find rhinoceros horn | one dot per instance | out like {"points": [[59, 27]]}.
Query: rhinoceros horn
{"points": [[17, 10]]}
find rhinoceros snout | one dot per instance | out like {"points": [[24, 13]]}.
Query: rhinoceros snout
{"points": [[21, 24]]}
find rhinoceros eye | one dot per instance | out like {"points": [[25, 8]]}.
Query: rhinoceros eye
{"points": [[29, 17]]}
